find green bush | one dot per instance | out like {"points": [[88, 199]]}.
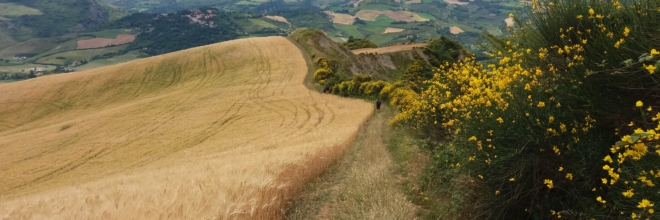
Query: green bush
{"points": [[529, 134]]}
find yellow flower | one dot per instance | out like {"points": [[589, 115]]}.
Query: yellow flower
{"points": [[551, 119], [645, 203], [473, 138], [628, 193], [606, 167], [541, 105], [591, 11], [626, 31], [651, 211], [601, 200], [654, 52], [548, 183], [561, 169], [584, 41], [569, 176], [608, 159], [639, 104], [604, 180], [512, 179], [497, 192], [579, 17], [499, 119], [650, 68]]}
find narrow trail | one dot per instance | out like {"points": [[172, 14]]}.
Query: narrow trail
{"points": [[362, 185]]}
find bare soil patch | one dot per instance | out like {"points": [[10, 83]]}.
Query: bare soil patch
{"points": [[390, 49], [104, 42], [509, 22], [455, 30], [339, 18], [356, 4], [413, 2], [456, 2], [371, 15], [393, 30], [277, 18]]}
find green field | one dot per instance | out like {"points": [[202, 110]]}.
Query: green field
{"points": [[66, 58], [113, 33], [11, 9], [247, 3], [253, 25], [349, 30], [364, 6], [24, 68], [35, 46], [132, 55]]}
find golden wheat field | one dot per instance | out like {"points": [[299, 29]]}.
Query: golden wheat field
{"points": [[225, 131]]}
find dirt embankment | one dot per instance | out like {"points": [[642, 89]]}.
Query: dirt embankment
{"points": [[383, 65], [389, 49]]}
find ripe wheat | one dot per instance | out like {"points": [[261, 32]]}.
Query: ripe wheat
{"points": [[225, 131]]}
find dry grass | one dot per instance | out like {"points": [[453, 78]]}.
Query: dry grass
{"points": [[389, 49], [509, 22], [393, 30], [277, 18], [104, 42], [225, 131], [371, 15], [370, 189], [456, 2], [339, 18], [455, 30]]}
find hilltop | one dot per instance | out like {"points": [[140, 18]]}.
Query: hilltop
{"points": [[226, 130]]}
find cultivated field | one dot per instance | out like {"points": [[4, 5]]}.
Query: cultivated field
{"points": [[389, 49], [455, 30], [11, 9], [225, 131], [277, 18], [371, 15], [339, 18], [393, 30], [104, 42]]}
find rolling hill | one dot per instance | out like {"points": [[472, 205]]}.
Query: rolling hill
{"points": [[224, 131]]}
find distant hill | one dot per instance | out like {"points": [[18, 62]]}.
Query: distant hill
{"points": [[49, 18]]}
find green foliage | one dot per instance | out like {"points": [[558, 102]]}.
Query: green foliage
{"points": [[308, 18], [173, 32], [528, 134], [357, 43], [61, 16], [441, 50]]}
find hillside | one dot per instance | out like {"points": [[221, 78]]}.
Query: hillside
{"points": [[381, 66], [225, 131]]}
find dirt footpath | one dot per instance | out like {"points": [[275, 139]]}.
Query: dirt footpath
{"points": [[362, 185]]}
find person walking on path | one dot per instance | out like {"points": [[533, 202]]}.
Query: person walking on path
{"points": [[378, 103]]}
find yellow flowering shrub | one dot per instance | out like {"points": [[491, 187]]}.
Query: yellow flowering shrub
{"points": [[535, 124]]}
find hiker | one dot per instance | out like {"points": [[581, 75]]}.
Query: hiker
{"points": [[377, 103]]}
